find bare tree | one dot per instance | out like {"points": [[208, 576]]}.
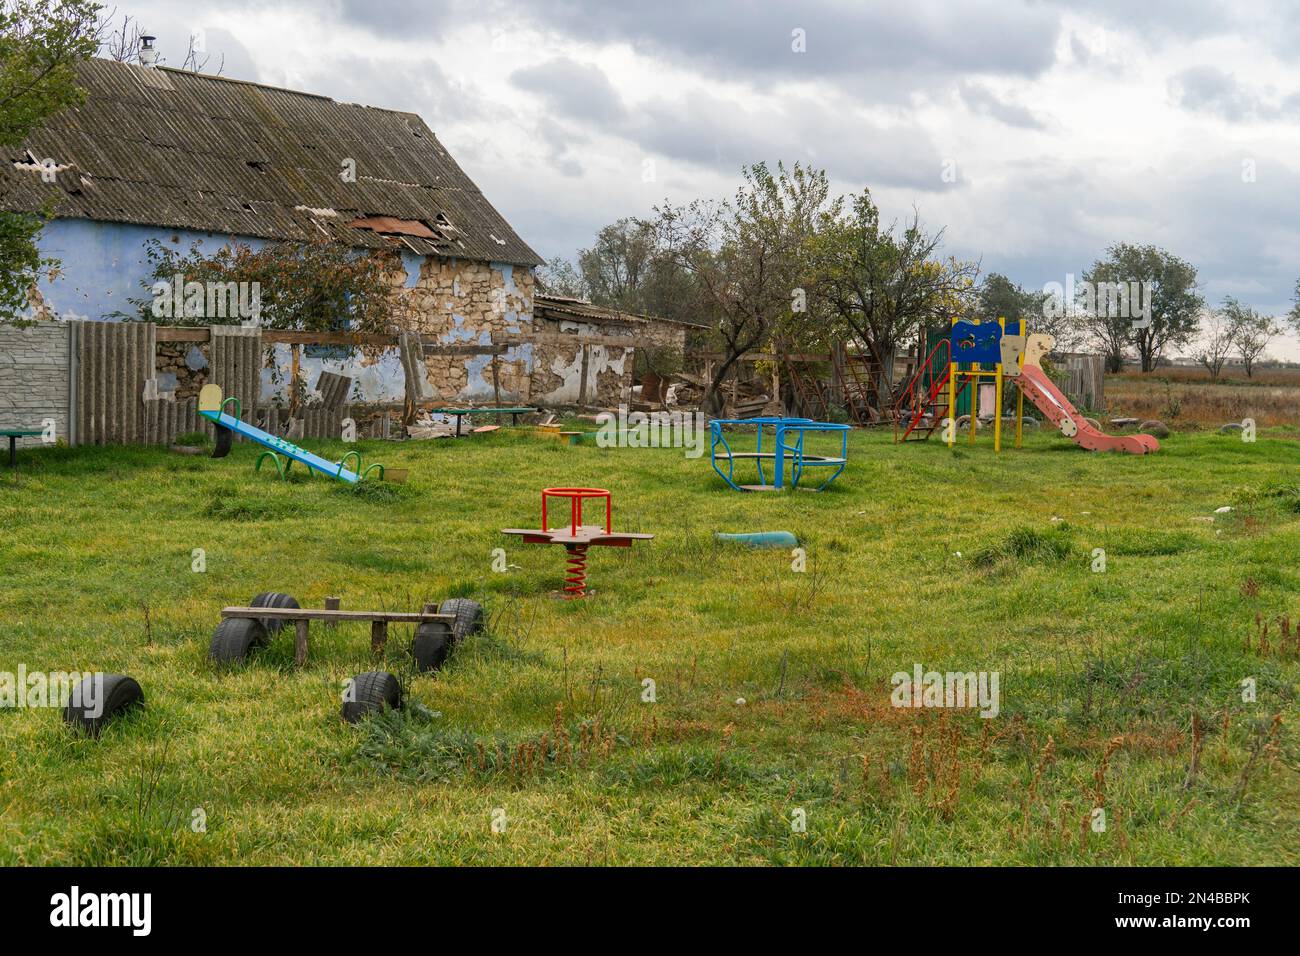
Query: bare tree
{"points": [[1217, 343], [121, 39], [1251, 332]]}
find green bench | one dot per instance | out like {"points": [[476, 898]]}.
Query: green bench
{"points": [[13, 434]]}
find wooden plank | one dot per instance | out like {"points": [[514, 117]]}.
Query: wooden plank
{"points": [[332, 604], [432, 349], [560, 338], [763, 357], [287, 337], [314, 614], [300, 643], [172, 333], [378, 637]]}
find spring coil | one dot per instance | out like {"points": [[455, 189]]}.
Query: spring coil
{"points": [[575, 571]]}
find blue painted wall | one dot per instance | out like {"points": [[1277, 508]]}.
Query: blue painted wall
{"points": [[103, 265]]}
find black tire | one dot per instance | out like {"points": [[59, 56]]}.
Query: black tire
{"points": [[225, 438], [469, 616], [432, 644], [371, 693], [273, 599], [90, 707], [234, 638]]}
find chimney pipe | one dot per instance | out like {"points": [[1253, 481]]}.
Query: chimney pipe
{"points": [[148, 55]]}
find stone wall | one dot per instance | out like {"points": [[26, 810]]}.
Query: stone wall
{"points": [[182, 367], [459, 302], [34, 378], [559, 368]]}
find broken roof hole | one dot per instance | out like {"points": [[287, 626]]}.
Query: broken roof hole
{"points": [[389, 226]]}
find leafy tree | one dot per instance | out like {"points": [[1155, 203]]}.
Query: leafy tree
{"points": [[619, 263], [1175, 304], [884, 285], [319, 286], [746, 257], [1251, 332], [558, 277], [626, 269], [999, 296], [41, 41]]}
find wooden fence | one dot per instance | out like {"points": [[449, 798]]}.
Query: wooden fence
{"points": [[1084, 379], [115, 400]]}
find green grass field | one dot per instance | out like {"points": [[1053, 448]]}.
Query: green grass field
{"points": [[958, 561]]}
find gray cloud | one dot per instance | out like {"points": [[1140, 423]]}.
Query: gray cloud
{"points": [[724, 135], [752, 41], [1207, 89], [1243, 237], [400, 17], [577, 90], [1158, 19], [980, 99], [1210, 90]]}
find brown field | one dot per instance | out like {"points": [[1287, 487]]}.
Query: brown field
{"points": [[1185, 398]]}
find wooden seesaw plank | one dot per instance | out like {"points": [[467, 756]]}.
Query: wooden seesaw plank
{"points": [[312, 614]]}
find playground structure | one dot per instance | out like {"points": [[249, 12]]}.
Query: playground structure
{"points": [[577, 537], [976, 353], [776, 451], [759, 539], [282, 453], [244, 628]]}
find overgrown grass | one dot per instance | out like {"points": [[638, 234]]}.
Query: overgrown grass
{"points": [[1110, 681], [1185, 398]]}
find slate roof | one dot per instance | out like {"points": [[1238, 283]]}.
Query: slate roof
{"points": [[561, 308], [164, 147]]}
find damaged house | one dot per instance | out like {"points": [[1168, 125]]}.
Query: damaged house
{"points": [[179, 157]]}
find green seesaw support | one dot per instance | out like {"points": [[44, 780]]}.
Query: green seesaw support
{"points": [[213, 408]]}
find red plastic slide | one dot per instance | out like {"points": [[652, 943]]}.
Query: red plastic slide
{"points": [[1052, 403]]}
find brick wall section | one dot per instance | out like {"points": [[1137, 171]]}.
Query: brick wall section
{"points": [[34, 378]]}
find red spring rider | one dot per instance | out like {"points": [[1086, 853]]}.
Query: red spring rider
{"points": [[576, 536]]}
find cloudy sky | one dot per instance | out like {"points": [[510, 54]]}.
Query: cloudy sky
{"points": [[1036, 132]]}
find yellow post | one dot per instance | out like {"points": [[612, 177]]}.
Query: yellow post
{"points": [[952, 386], [1020, 392], [973, 383], [997, 396], [952, 403]]}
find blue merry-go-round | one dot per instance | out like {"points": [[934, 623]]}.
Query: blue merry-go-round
{"points": [[785, 443]]}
